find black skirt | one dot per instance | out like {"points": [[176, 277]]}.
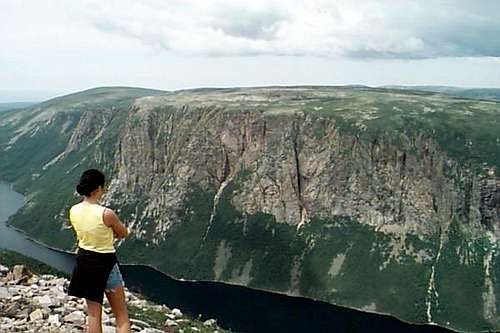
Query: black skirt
{"points": [[90, 274]]}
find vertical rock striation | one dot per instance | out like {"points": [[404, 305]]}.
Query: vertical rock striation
{"points": [[378, 200]]}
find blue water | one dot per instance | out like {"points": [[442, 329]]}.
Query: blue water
{"points": [[238, 308], [11, 202]]}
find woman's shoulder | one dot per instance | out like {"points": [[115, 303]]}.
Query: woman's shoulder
{"points": [[75, 206], [102, 207], [83, 205]]}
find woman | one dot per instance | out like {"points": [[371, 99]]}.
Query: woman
{"points": [[96, 271]]}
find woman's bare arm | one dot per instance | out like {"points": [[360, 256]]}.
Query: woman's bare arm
{"points": [[111, 220]]}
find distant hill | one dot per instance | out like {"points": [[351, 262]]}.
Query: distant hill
{"points": [[21, 95], [100, 96], [488, 94], [15, 106]]}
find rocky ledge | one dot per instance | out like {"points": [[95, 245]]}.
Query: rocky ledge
{"points": [[39, 303]]}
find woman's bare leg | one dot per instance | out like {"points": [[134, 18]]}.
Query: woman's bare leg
{"points": [[116, 299], [94, 311]]}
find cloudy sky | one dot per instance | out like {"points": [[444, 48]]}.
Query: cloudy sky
{"points": [[53, 47]]}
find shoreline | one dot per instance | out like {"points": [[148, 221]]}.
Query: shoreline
{"points": [[29, 238]]}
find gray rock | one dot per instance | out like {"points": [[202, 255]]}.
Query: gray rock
{"points": [[24, 308], [171, 323], [7, 327], [108, 329], [135, 328], [24, 313], [105, 318], [177, 313], [44, 300], [54, 319], [140, 323], [75, 317], [4, 293], [20, 271], [36, 315], [59, 310], [32, 280], [10, 310], [151, 330], [209, 322]]}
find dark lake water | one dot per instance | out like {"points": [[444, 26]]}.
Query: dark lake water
{"points": [[237, 308]]}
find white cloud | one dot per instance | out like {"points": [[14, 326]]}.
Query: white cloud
{"points": [[61, 45], [362, 28]]}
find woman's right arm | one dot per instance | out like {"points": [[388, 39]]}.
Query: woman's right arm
{"points": [[111, 220]]}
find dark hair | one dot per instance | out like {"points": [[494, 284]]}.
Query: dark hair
{"points": [[90, 180]]}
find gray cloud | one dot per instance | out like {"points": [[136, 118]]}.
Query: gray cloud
{"points": [[254, 24], [354, 29], [66, 46]]}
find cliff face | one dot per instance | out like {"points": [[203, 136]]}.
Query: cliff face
{"points": [[381, 200]]}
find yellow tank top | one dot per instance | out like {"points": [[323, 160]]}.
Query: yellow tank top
{"points": [[92, 233]]}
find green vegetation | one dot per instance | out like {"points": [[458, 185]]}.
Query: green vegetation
{"points": [[181, 243], [10, 259], [157, 319], [336, 259], [50, 190], [369, 276], [460, 281], [491, 94], [96, 98], [153, 317], [466, 130], [258, 239]]}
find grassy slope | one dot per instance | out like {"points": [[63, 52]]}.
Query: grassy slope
{"points": [[272, 248], [22, 164], [491, 94], [10, 259], [466, 130]]}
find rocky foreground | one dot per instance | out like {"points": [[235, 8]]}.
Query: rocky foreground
{"points": [[39, 303]]}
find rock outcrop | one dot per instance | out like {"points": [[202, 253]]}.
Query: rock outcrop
{"points": [[39, 303]]}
